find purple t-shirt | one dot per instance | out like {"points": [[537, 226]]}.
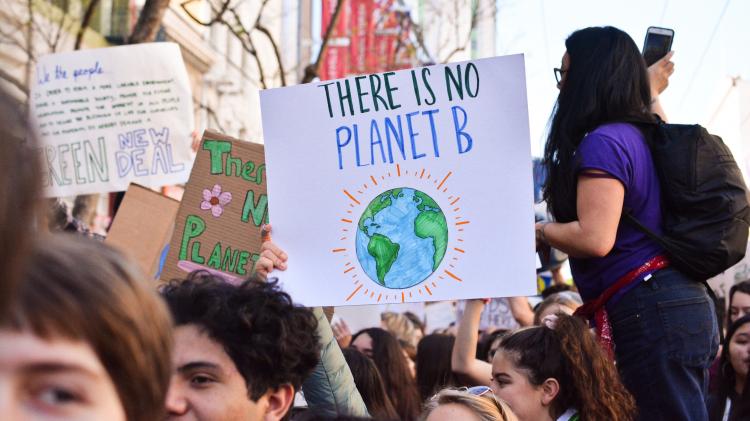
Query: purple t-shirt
{"points": [[620, 150]]}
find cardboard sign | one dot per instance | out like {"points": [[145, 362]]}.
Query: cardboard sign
{"points": [[222, 210], [110, 116], [404, 186], [143, 226]]}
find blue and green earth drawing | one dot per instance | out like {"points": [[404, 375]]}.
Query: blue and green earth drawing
{"points": [[401, 238]]}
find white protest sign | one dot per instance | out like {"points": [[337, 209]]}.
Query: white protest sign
{"points": [[111, 116], [496, 314], [403, 186], [439, 315]]}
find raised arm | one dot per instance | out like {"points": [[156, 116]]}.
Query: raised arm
{"points": [[658, 75], [463, 359], [521, 310]]}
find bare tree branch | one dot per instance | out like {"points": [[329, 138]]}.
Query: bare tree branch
{"points": [[403, 28], [419, 35], [247, 41], [260, 13], [85, 21], [59, 30], [218, 14], [475, 17], [267, 33], [238, 30], [312, 71], [47, 31], [228, 16], [29, 42], [15, 35], [13, 81], [212, 114], [149, 21], [276, 51]]}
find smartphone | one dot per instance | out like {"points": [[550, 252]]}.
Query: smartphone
{"points": [[658, 43]]}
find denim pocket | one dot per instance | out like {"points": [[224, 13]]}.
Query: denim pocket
{"points": [[629, 338], [627, 328], [689, 327]]}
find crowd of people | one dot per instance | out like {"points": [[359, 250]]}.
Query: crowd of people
{"points": [[84, 335]]}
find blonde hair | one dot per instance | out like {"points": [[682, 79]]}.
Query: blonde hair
{"points": [[401, 327], [487, 408]]}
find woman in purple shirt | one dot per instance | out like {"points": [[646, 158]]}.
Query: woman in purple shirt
{"points": [[660, 324]]}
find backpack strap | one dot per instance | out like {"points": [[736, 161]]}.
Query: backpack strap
{"points": [[647, 128], [644, 229]]}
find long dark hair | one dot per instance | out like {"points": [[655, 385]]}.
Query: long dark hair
{"points": [[370, 385], [606, 81], [588, 380], [391, 362], [434, 371], [727, 375]]}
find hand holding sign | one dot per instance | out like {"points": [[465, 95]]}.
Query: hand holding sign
{"points": [[271, 256]]}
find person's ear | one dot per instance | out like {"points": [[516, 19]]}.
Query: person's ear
{"points": [[279, 402], [550, 390]]}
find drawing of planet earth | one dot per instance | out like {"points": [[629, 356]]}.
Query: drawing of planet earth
{"points": [[401, 238]]}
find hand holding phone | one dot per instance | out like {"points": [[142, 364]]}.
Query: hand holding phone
{"points": [[659, 73], [657, 44]]}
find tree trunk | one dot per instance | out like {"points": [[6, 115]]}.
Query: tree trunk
{"points": [[149, 21], [312, 70], [85, 23]]}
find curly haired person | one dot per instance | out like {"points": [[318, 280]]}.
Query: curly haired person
{"points": [[241, 351]]}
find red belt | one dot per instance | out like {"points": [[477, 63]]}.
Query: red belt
{"points": [[595, 309]]}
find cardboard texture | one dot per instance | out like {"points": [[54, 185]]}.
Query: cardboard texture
{"points": [[143, 226], [224, 205]]}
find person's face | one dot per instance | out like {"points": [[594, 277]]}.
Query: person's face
{"points": [[452, 412], [363, 344], [55, 379], [527, 401], [740, 306], [739, 351], [206, 385], [564, 66]]}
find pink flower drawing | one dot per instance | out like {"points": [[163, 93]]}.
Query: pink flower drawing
{"points": [[215, 200]]}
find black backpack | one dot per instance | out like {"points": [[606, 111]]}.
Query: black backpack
{"points": [[704, 199]]}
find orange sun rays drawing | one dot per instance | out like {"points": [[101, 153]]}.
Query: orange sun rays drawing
{"points": [[432, 195]]}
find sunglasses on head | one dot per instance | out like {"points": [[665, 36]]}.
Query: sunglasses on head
{"points": [[477, 390], [484, 390]]}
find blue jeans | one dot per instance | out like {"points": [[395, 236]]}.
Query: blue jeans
{"points": [[666, 336]]}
